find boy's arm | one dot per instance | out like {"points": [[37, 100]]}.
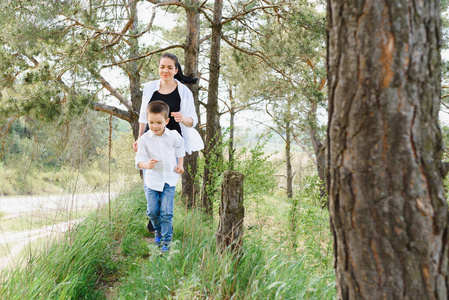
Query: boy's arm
{"points": [[180, 152], [180, 166], [142, 159], [147, 165]]}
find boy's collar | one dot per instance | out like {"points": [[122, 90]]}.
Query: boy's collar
{"points": [[153, 134]]}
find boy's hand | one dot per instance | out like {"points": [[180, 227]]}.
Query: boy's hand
{"points": [[179, 169], [151, 163]]}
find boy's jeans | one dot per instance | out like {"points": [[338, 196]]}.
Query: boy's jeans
{"points": [[160, 210]]}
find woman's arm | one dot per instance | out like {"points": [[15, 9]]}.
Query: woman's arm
{"points": [[188, 121], [188, 117], [141, 131]]}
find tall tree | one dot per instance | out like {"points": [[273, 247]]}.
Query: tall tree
{"points": [[388, 212], [190, 189], [212, 123], [286, 52]]}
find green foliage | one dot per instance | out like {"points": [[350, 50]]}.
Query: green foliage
{"points": [[310, 190], [256, 168], [216, 165]]}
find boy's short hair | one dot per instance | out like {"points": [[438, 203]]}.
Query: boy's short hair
{"points": [[158, 107]]}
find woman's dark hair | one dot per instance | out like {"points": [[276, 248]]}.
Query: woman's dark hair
{"points": [[191, 79]]}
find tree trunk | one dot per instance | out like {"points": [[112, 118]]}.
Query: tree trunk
{"points": [[134, 76], [288, 162], [319, 149], [288, 155], [232, 212], [190, 188], [212, 122], [388, 211], [231, 130]]}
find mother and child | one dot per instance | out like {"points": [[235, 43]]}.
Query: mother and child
{"points": [[166, 133]]}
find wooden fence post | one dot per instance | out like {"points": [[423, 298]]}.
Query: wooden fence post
{"points": [[232, 212]]}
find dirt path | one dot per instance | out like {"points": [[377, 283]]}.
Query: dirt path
{"points": [[66, 202], [14, 242]]}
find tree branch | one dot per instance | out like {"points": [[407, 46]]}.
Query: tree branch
{"points": [[243, 13], [129, 23], [263, 57], [116, 94], [304, 148], [112, 110], [143, 56]]}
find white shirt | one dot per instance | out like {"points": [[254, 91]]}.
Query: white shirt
{"points": [[192, 139], [165, 149]]}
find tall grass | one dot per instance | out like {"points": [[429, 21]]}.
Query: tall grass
{"points": [[266, 268], [114, 259], [75, 266]]}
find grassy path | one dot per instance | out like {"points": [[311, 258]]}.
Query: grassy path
{"points": [[111, 256]]}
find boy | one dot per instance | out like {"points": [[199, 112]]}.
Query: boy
{"points": [[160, 153]]}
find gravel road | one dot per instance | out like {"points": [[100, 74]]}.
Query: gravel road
{"points": [[18, 205], [13, 242]]}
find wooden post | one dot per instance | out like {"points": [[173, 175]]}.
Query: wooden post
{"points": [[232, 212]]}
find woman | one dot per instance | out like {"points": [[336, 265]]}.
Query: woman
{"points": [[171, 90]]}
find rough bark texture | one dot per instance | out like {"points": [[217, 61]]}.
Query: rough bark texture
{"points": [[232, 212], [388, 210], [189, 188], [212, 122]]}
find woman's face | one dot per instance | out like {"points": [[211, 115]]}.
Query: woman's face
{"points": [[167, 68]]}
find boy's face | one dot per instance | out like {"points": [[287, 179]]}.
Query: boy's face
{"points": [[157, 123]]}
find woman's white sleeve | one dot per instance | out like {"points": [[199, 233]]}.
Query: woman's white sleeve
{"points": [[190, 107], [143, 106]]}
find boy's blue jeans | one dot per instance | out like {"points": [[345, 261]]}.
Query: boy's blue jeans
{"points": [[160, 210]]}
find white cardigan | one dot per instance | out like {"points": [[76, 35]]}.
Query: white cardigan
{"points": [[192, 139]]}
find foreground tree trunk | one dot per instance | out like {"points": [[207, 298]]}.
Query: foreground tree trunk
{"points": [[189, 187], [388, 210]]}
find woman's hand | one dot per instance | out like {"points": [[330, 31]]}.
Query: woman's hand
{"points": [[181, 119], [177, 116], [135, 146]]}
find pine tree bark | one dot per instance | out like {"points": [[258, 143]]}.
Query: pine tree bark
{"points": [[190, 189], [134, 76], [388, 211], [212, 122], [232, 212], [232, 113]]}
